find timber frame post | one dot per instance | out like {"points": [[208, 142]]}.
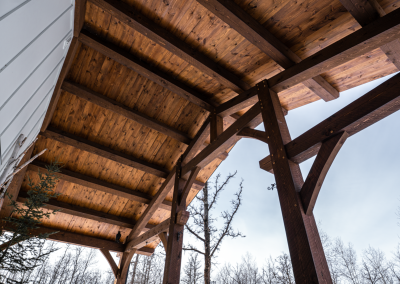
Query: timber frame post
{"points": [[305, 247], [179, 217]]}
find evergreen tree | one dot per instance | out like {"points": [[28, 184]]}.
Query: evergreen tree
{"points": [[21, 250]]}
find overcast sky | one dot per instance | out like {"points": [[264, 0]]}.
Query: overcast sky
{"points": [[357, 202]]}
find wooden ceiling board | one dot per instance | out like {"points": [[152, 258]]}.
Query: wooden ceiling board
{"points": [[305, 26]]}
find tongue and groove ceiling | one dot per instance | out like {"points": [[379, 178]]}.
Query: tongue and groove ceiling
{"points": [[120, 125]]}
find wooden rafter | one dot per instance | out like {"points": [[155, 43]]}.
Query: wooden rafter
{"points": [[153, 206], [361, 10], [380, 32], [105, 152], [83, 212], [253, 31], [119, 108], [224, 141], [362, 41], [130, 61], [128, 15], [363, 112], [315, 178], [148, 237], [100, 185], [197, 143], [81, 240], [367, 11]]}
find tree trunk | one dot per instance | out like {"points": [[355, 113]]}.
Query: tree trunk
{"points": [[207, 252], [134, 269]]}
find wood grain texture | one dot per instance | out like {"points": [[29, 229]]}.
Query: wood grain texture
{"points": [[100, 185], [376, 34], [358, 115], [127, 59], [116, 107], [254, 32], [303, 254], [73, 47], [100, 150], [148, 236], [110, 260], [315, 178], [224, 141], [253, 133], [163, 37]]}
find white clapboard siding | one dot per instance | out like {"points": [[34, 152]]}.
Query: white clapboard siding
{"points": [[35, 36]]}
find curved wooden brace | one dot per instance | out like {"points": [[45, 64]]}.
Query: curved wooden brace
{"points": [[111, 261], [327, 153], [253, 133]]}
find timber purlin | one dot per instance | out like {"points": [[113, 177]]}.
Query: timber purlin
{"points": [[80, 239], [143, 25], [145, 69]]}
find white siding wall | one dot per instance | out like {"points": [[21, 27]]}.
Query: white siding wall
{"points": [[34, 37]]}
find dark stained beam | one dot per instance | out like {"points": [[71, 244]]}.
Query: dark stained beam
{"points": [[362, 41], [100, 185], [75, 210], [253, 31], [79, 17], [129, 16], [250, 119], [306, 253], [127, 59], [119, 108], [197, 143], [216, 126], [363, 112], [73, 47], [148, 237], [253, 133], [173, 256], [315, 178], [361, 10], [110, 260], [153, 206], [105, 152], [192, 178], [240, 102], [164, 239], [81, 240], [367, 11], [392, 51]]}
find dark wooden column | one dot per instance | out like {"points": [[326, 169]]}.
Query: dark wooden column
{"points": [[179, 217], [305, 247]]}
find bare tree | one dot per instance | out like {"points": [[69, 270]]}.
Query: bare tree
{"points": [[203, 227], [192, 273], [375, 268], [347, 259]]}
